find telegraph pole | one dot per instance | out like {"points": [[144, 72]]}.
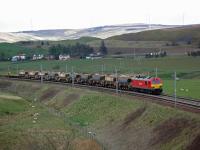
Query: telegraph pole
{"points": [[17, 69], [72, 76], [175, 89], [41, 73], [116, 80], [8, 69], [120, 63], [156, 72], [102, 69], [66, 68]]}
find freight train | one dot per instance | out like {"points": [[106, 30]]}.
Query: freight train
{"points": [[150, 85]]}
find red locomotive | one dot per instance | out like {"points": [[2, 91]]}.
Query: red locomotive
{"points": [[151, 85]]}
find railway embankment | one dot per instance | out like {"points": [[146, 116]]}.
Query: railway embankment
{"points": [[115, 122]]}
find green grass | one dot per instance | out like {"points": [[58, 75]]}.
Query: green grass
{"points": [[93, 110], [9, 106], [185, 87], [100, 108]]}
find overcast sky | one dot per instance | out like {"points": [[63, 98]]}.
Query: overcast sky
{"points": [[18, 15]]}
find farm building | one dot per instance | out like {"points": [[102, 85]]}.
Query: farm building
{"points": [[20, 57], [64, 57]]}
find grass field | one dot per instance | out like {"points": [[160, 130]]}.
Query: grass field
{"points": [[187, 69], [185, 88], [113, 118], [185, 66]]}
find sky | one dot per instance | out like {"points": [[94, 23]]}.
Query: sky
{"points": [[20, 15]]}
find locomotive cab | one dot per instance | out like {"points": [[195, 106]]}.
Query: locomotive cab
{"points": [[156, 85]]}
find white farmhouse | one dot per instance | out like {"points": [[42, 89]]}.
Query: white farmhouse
{"points": [[38, 57], [20, 57], [64, 57]]}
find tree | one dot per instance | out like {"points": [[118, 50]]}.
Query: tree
{"points": [[78, 49], [2, 56], [42, 43], [199, 44], [103, 49]]}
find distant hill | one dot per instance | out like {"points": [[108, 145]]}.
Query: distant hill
{"points": [[102, 32], [184, 33]]}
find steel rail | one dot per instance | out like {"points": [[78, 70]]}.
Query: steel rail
{"points": [[180, 101]]}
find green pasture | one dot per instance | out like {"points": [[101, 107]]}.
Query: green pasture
{"points": [[185, 87]]}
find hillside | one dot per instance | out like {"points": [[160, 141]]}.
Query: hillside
{"points": [[64, 34], [186, 33], [176, 41]]}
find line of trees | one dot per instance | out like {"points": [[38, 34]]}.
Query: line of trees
{"points": [[77, 50]]}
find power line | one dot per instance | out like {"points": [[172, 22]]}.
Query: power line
{"points": [[41, 70], [175, 89], [116, 80], [66, 68], [72, 76], [156, 70]]}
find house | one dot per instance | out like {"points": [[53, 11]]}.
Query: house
{"points": [[20, 57], [14, 59], [94, 56], [38, 57], [64, 57]]}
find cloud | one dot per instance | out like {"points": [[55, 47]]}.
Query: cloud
{"points": [[51, 14]]}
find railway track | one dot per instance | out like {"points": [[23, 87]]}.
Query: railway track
{"points": [[180, 102]]}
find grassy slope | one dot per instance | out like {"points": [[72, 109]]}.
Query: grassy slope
{"points": [[98, 107], [176, 34], [18, 131], [113, 118]]}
